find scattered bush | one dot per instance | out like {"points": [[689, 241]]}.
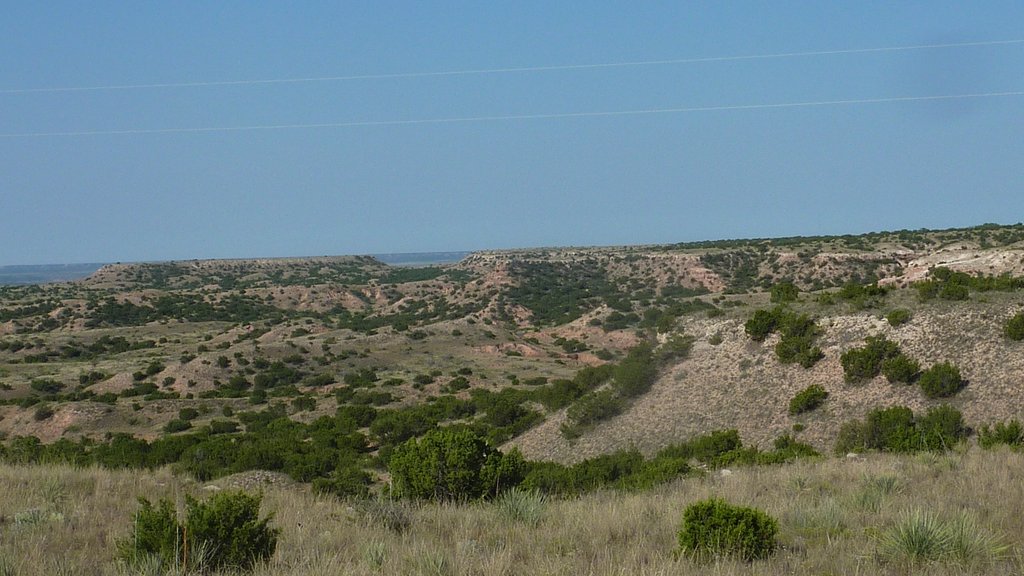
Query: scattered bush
{"points": [[900, 368], [783, 292], [760, 325], [714, 528], [798, 334], [345, 482], [1014, 327], [1010, 433], [43, 412], [807, 399], [896, 429], [941, 380], [898, 317], [798, 349], [224, 532], [866, 362], [177, 426]]}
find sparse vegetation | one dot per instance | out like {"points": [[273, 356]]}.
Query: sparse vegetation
{"points": [[326, 372]]}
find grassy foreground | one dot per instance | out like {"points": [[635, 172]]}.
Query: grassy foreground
{"points": [[836, 516]]}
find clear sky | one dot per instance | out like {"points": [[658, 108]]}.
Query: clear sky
{"points": [[557, 180]]}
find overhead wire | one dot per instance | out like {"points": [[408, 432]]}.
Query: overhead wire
{"points": [[507, 70], [514, 117]]}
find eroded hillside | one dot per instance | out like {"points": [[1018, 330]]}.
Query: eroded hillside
{"points": [[498, 342]]}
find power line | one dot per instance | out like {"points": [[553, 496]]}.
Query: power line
{"points": [[552, 116], [480, 71]]}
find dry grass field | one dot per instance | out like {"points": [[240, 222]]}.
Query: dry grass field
{"points": [[165, 351], [836, 516]]}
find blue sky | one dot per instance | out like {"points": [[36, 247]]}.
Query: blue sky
{"points": [[618, 179]]}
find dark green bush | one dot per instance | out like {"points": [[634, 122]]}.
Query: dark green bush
{"points": [[229, 528], [798, 334], [941, 427], [866, 362], [798, 349], [714, 528], [782, 292], [452, 464], [1010, 433], [1014, 327], [593, 408], [900, 368], [807, 399], [941, 380], [42, 412], [898, 317], [177, 426], [760, 325], [188, 414], [156, 533], [224, 532], [345, 482], [896, 429]]}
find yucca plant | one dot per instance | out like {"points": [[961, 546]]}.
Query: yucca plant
{"points": [[918, 536], [925, 537], [525, 506]]}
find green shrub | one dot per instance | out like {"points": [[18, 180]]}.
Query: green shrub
{"points": [[898, 317], [177, 426], [807, 399], [941, 427], [896, 429], [156, 533], [782, 292], [345, 482], [228, 526], [900, 368], [224, 532], [866, 362], [188, 414], [452, 464], [1010, 433], [798, 349], [594, 408], [941, 380], [1014, 327], [42, 412], [760, 325], [714, 528]]}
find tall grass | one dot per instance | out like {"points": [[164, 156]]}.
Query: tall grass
{"points": [[825, 527]]}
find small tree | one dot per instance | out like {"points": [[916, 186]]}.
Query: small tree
{"points": [[451, 464]]}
